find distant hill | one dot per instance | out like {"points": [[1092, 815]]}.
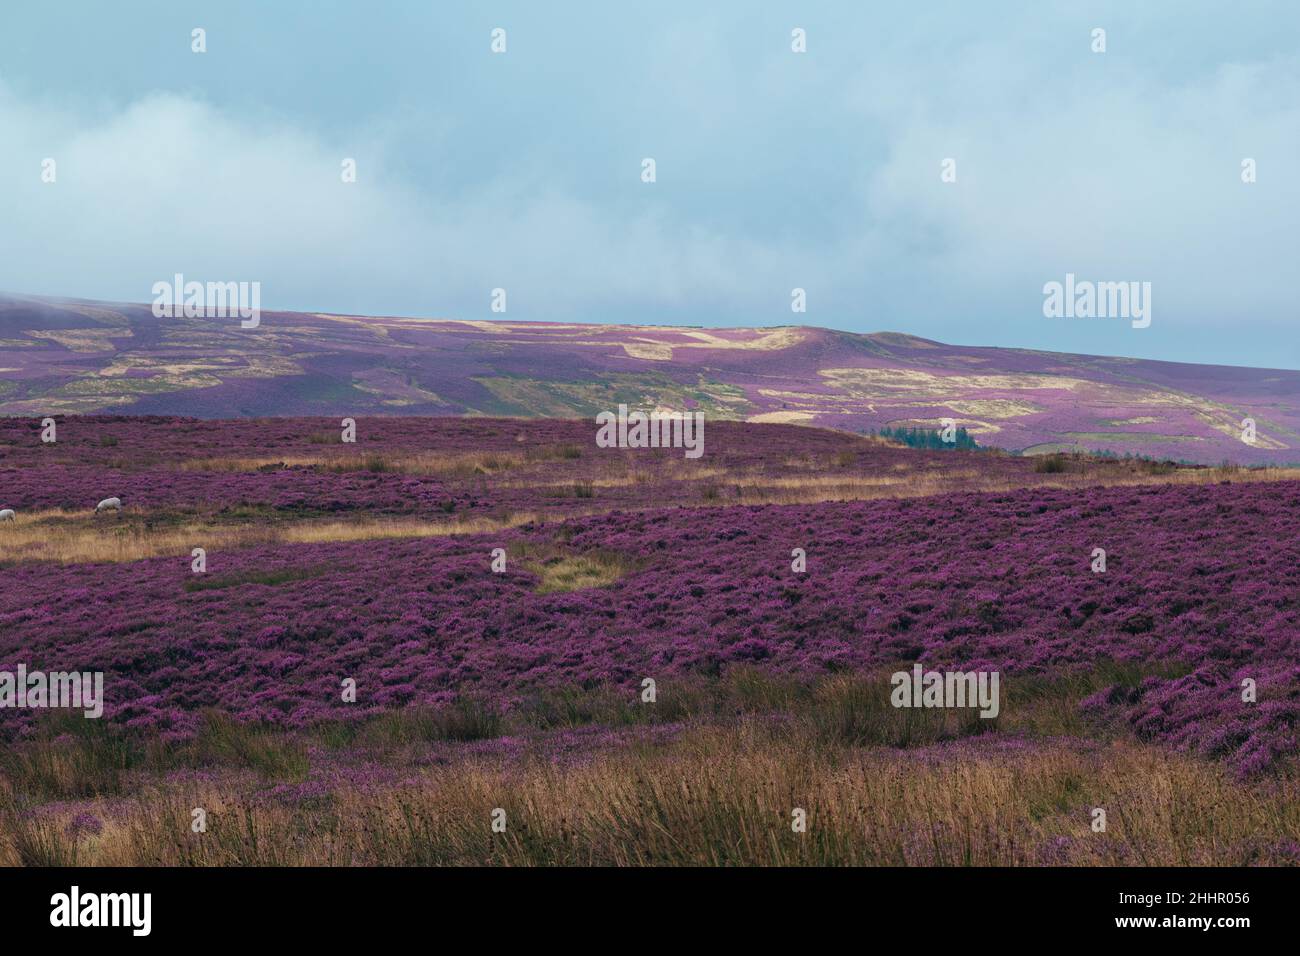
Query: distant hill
{"points": [[72, 356]]}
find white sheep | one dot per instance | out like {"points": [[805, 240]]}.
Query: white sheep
{"points": [[7, 514], [114, 504]]}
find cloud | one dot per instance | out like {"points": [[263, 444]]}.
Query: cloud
{"points": [[775, 170], [172, 184]]}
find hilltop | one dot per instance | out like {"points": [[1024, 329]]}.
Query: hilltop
{"points": [[60, 356]]}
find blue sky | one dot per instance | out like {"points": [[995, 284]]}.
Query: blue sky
{"points": [[775, 170]]}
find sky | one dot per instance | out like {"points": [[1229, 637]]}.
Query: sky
{"points": [[774, 170]]}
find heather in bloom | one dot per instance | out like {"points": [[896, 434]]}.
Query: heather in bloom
{"points": [[1197, 582], [84, 825]]}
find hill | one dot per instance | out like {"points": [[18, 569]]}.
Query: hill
{"points": [[80, 357]]}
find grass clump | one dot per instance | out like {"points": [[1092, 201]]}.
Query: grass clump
{"points": [[270, 578], [577, 573]]}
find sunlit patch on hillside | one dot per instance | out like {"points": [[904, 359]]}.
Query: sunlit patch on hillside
{"points": [[779, 418], [82, 340], [882, 381], [995, 407]]}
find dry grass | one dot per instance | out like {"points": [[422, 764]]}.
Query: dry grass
{"points": [[835, 481], [72, 538], [715, 796], [456, 464], [560, 570], [579, 572], [419, 463], [815, 489], [881, 786], [626, 474]]}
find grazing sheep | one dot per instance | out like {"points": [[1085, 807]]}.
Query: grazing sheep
{"points": [[7, 514], [114, 504]]}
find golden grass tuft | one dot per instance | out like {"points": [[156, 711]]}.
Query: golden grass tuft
{"points": [[714, 784], [72, 538], [560, 571], [580, 572], [455, 464], [714, 796]]}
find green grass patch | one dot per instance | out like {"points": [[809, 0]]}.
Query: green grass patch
{"points": [[594, 570], [270, 578]]}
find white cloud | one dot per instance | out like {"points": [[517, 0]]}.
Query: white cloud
{"points": [[775, 171], [172, 184]]}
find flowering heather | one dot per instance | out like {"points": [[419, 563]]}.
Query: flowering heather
{"points": [[289, 490], [84, 825], [1200, 577], [430, 467], [154, 439]]}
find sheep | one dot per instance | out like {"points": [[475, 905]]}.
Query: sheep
{"points": [[114, 504], [7, 514]]}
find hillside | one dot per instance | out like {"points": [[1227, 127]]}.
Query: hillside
{"points": [[78, 357]]}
